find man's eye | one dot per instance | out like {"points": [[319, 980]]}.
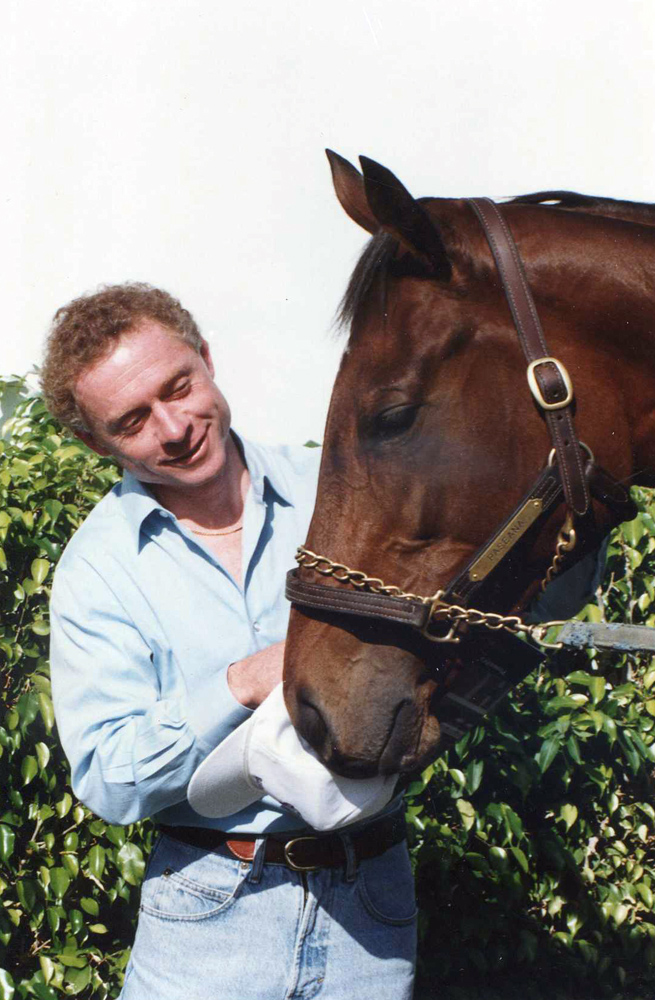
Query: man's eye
{"points": [[394, 421], [132, 425], [181, 389]]}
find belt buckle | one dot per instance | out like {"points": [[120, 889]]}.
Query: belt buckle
{"points": [[289, 860]]}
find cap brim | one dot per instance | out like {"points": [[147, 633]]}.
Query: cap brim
{"points": [[219, 786]]}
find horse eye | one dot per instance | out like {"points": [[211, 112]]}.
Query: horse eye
{"points": [[394, 421]]}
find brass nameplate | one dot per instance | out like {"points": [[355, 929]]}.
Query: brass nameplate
{"points": [[517, 527]]}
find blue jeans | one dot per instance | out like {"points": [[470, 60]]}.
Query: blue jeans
{"points": [[214, 928]]}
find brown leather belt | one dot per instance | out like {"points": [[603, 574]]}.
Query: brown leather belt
{"points": [[298, 851]]}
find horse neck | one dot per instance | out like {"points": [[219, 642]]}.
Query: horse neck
{"points": [[596, 276], [601, 269]]}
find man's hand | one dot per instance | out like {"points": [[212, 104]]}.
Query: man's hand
{"points": [[251, 680]]}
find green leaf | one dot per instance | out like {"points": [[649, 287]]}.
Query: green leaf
{"points": [[474, 776], [63, 806], [620, 913], [47, 711], [477, 862], [579, 677], [131, 863], [98, 928], [520, 858], [7, 842], [467, 813], [116, 835], [90, 906], [28, 895], [573, 748], [499, 859], [548, 753], [78, 979], [53, 509], [39, 570], [69, 451], [648, 809], [71, 864], [47, 968], [569, 813], [59, 881], [53, 918], [597, 689], [42, 755], [76, 920], [95, 859], [29, 769], [72, 960], [634, 531], [43, 992], [7, 988], [19, 469]]}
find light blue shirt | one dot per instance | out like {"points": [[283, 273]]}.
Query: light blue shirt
{"points": [[145, 622]]}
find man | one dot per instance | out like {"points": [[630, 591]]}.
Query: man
{"points": [[168, 620]]}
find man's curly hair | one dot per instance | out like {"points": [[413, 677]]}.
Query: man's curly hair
{"points": [[86, 329]]}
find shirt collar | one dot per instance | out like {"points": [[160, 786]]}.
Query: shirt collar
{"points": [[139, 503]]}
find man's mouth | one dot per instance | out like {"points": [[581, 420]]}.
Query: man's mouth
{"points": [[188, 455]]}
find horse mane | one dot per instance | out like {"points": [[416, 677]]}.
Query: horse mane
{"points": [[379, 254], [610, 208]]}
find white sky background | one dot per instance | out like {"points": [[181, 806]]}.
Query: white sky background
{"points": [[181, 142]]}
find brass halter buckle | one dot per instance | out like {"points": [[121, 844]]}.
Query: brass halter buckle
{"points": [[535, 388]]}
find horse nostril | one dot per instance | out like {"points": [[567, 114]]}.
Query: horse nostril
{"points": [[310, 724]]}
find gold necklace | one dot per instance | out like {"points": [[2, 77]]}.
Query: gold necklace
{"points": [[216, 531]]}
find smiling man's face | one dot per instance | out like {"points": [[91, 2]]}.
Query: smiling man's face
{"points": [[152, 404]]}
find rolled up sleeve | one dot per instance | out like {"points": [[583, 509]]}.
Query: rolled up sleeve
{"points": [[131, 730]]}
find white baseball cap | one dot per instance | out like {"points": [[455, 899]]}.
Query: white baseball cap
{"points": [[265, 756]]}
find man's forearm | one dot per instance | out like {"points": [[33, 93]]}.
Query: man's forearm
{"points": [[252, 679]]}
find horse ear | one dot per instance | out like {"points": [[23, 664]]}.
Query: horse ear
{"points": [[403, 217], [349, 186]]}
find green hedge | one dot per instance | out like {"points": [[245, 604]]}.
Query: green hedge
{"points": [[69, 881], [533, 839]]}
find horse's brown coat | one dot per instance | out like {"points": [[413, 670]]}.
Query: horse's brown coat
{"points": [[433, 436]]}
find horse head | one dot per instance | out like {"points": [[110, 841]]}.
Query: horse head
{"points": [[433, 437]]}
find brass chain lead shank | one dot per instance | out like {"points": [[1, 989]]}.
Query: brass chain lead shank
{"points": [[566, 542], [441, 611]]}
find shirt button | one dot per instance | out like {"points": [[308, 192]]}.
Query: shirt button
{"points": [[256, 626]]}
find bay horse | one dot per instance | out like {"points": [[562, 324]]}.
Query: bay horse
{"points": [[433, 437]]}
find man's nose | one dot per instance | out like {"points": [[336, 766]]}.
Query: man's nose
{"points": [[172, 423]]}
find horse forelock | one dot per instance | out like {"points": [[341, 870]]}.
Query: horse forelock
{"points": [[371, 266]]}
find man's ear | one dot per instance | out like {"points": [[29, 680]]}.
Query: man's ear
{"points": [[90, 442], [206, 356]]}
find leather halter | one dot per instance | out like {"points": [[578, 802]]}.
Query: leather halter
{"points": [[569, 479]]}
